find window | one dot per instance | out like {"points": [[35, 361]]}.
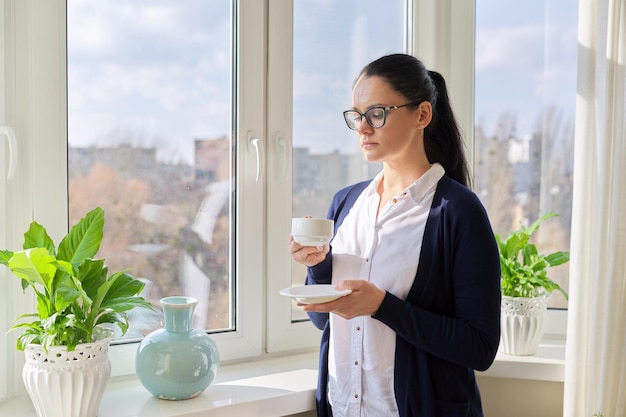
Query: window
{"points": [[224, 127], [310, 151], [41, 184], [149, 141], [327, 157], [524, 132], [152, 133]]}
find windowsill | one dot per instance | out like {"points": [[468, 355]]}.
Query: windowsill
{"points": [[277, 386], [548, 364]]}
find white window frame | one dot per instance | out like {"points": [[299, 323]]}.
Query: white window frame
{"points": [[36, 101], [447, 23], [5, 383], [32, 63]]}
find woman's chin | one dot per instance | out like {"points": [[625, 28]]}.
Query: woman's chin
{"points": [[371, 155]]}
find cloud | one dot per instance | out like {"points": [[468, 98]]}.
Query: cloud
{"points": [[162, 70], [504, 48], [525, 66], [100, 28]]}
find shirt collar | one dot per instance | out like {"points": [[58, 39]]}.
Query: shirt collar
{"points": [[421, 186], [426, 182]]}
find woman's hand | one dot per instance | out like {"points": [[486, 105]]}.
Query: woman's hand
{"points": [[307, 255], [364, 300]]}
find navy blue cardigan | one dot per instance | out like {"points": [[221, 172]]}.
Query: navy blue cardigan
{"points": [[449, 324]]}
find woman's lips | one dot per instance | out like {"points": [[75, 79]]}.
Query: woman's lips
{"points": [[368, 145]]}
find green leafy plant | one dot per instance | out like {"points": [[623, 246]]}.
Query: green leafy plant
{"points": [[74, 293], [524, 269]]}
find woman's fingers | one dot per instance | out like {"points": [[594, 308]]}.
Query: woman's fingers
{"points": [[307, 255], [364, 300]]}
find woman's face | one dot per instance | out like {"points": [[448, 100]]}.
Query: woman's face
{"points": [[402, 134]]}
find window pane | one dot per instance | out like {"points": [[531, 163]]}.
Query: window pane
{"points": [[149, 132], [525, 100], [333, 40]]}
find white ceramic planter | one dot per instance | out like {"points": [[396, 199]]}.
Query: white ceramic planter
{"points": [[523, 322], [68, 384]]}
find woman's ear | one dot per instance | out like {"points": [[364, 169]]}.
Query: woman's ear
{"points": [[424, 114]]}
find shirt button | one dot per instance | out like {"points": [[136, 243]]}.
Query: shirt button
{"points": [[356, 395], [356, 363], [358, 328], [394, 201]]}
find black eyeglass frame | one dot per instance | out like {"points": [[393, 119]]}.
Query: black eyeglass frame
{"points": [[369, 121]]}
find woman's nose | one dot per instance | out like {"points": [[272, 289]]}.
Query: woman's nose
{"points": [[364, 127]]}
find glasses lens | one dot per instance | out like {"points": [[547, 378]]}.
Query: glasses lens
{"points": [[353, 119], [375, 117]]}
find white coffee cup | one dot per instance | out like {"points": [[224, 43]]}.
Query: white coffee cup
{"points": [[309, 231]]}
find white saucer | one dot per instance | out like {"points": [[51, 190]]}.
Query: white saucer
{"points": [[313, 294]]}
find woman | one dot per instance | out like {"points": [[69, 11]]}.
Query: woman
{"points": [[416, 248]]}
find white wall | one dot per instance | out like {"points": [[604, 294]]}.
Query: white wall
{"points": [[505, 397]]}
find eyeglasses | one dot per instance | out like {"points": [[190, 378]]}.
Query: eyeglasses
{"points": [[376, 116]]}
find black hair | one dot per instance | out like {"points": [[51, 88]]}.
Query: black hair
{"points": [[442, 139]]}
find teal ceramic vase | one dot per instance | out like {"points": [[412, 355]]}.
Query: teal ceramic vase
{"points": [[177, 362]]}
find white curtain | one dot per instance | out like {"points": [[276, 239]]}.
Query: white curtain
{"points": [[595, 370]]}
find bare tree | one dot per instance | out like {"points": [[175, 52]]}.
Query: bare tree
{"points": [[492, 173]]}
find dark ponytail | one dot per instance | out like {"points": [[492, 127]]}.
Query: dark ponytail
{"points": [[442, 139]]}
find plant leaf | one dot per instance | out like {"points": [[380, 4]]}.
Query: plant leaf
{"points": [[66, 295], [514, 243], [121, 319], [5, 255], [525, 275], [557, 258], [37, 237], [122, 285], [34, 266], [533, 227], [30, 335], [92, 273], [76, 294], [84, 238]]}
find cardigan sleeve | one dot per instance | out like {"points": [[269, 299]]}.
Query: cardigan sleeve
{"points": [[319, 274], [453, 308]]}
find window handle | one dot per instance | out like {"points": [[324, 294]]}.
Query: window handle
{"points": [[8, 132], [283, 147], [257, 145]]}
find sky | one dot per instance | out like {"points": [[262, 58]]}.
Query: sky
{"points": [[155, 73], [525, 59]]}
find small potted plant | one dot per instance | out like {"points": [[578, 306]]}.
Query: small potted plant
{"points": [[66, 341], [526, 288]]}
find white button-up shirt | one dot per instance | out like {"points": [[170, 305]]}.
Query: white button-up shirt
{"points": [[384, 250]]}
